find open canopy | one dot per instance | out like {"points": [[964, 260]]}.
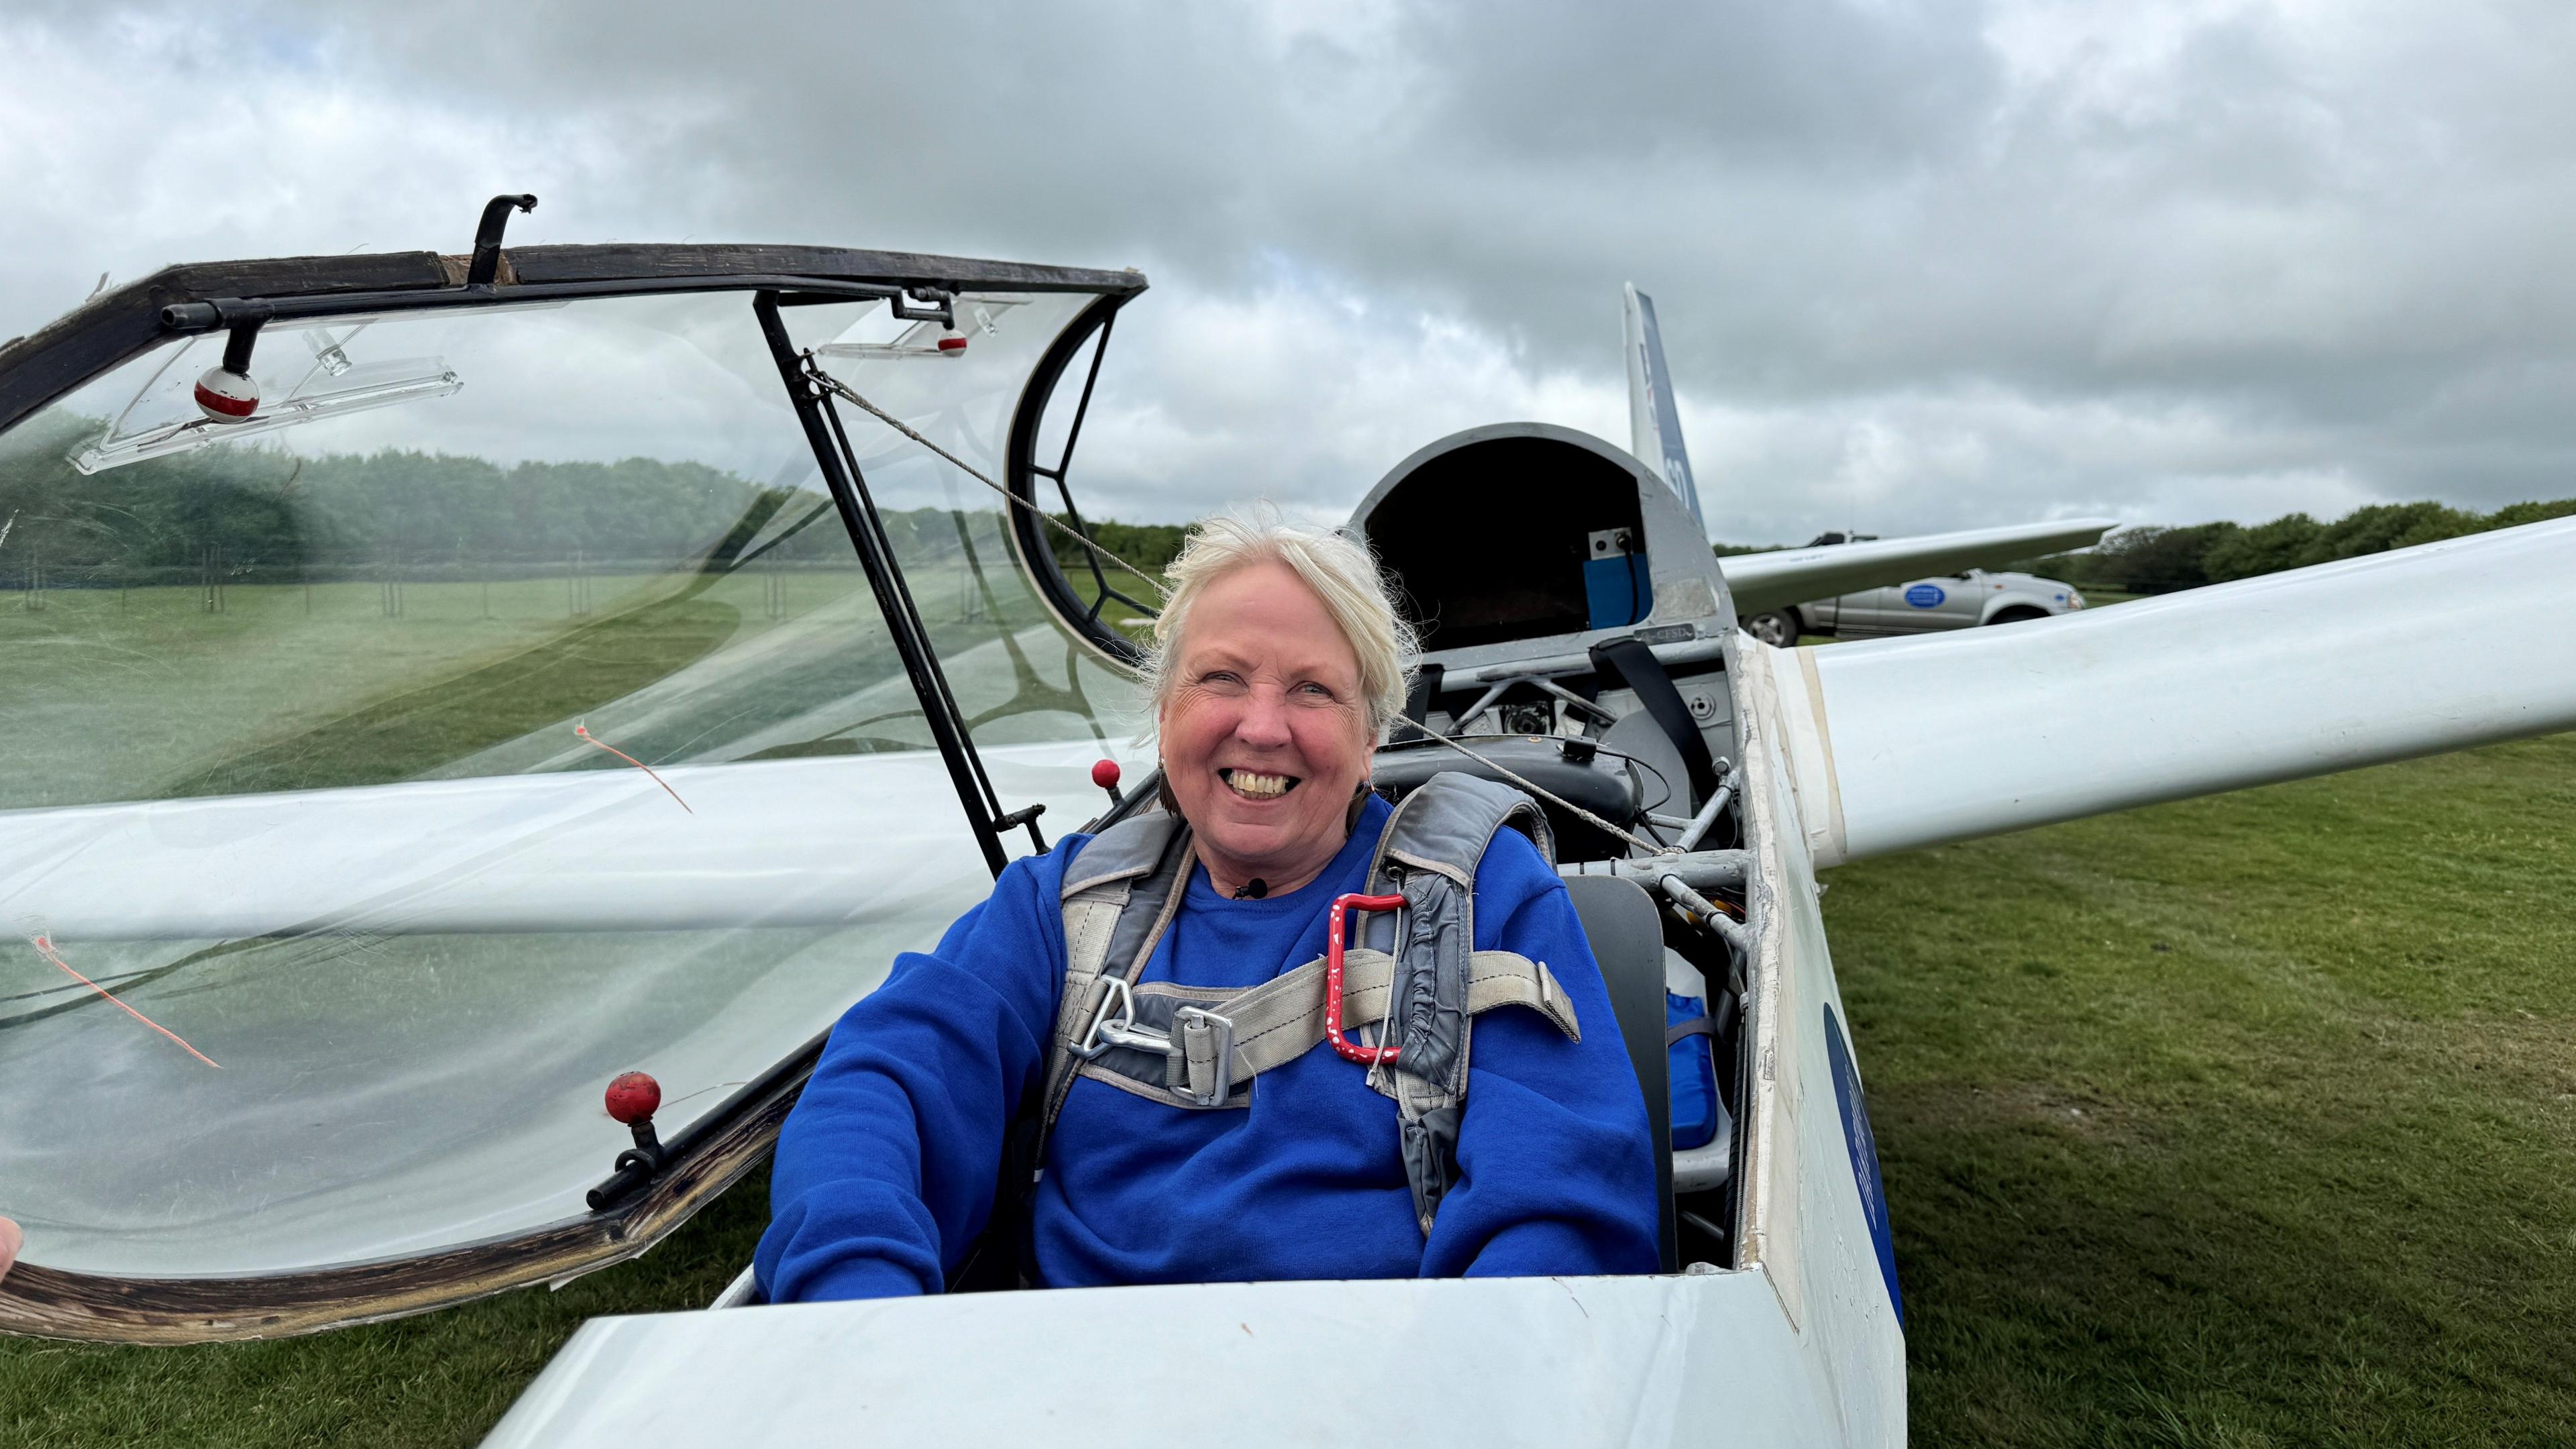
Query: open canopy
{"points": [[551, 676]]}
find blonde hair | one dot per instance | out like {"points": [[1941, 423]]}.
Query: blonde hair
{"points": [[1339, 568]]}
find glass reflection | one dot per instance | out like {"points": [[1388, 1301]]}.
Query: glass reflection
{"points": [[292, 768]]}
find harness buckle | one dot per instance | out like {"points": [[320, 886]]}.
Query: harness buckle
{"points": [[1220, 1030], [1352, 1051], [1113, 1024]]}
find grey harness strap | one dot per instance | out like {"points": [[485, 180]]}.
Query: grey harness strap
{"points": [[1192, 1047], [1429, 853], [1118, 899]]}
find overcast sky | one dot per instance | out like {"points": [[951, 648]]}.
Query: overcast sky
{"points": [[1918, 265]]}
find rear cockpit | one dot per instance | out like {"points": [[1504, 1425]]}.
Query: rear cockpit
{"points": [[1518, 533], [1573, 624]]}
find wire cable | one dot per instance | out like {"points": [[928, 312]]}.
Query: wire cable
{"points": [[815, 372], [1559, 801]]}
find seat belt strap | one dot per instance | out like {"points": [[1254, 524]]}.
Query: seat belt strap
{"points": [[1635, 665]]}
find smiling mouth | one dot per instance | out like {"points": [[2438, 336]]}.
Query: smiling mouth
{"points": [[1253, 786]]}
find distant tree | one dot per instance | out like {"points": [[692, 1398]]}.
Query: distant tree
{"points": [[2264, 548], [2155, 560], [2383, 526], [1150, 546], [2513, 515]]}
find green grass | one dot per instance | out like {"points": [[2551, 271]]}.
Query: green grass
{"points": [[2244, 1121], [123, 694]]}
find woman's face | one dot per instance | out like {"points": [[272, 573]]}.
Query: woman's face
{"points": [[1265, 736]]}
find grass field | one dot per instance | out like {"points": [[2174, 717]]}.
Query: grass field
{"points": [[2244, 1121]]}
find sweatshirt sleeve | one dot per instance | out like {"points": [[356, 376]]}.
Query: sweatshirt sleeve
{"points": [[886, 1167], [1555, 1157]]}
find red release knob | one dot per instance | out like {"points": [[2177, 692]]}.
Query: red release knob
{"points": [[1105, 774], [633, 1097]]}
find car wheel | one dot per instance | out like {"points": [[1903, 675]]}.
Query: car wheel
{"points": [[1778, 628], [2017, 615]]}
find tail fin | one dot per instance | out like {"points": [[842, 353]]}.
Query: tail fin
{"points": [[1654, 422]]}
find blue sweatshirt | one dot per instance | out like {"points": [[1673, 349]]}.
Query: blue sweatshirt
{"points": [[886, 1168]]}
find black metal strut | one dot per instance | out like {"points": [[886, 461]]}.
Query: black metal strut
{"points": [[939, 710]]}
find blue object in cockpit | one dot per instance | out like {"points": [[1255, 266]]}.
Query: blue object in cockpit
{"points": [[1618, 589]]}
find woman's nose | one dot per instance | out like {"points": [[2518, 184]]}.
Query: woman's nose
{"points": [[1264, 721]]}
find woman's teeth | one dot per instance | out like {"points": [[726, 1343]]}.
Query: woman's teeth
{"points": [[1258, 787]]}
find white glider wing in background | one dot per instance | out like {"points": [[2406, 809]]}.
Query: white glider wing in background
{"points": [[1764, 581]]}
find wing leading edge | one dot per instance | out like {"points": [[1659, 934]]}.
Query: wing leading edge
{"points": [[1904, 743]]}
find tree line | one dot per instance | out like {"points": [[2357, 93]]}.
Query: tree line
{"points": [[1150, 546], [2159, 560], [262, 510], [2148, 559]]}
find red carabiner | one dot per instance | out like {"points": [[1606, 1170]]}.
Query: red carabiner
{"points": [[1365, 1056]]}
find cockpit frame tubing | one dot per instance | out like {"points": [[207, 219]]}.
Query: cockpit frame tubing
{"points": [[885, 578], [1021, 470]]}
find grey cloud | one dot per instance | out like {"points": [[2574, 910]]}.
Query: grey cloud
{"points": [[1951, 261]]}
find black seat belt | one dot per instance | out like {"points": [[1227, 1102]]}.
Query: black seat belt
{"points": [[1635, 665]]}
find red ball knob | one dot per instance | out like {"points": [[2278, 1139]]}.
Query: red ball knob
{"points": [[1105, 774], [633, 1097]]}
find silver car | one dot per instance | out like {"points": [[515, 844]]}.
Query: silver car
{"points": [[1922, 606]]}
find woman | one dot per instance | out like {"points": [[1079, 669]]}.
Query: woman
{"points": [[1279, 667]]}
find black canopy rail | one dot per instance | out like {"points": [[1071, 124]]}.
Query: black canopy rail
{"points": [[849, 488], [1078, 612], [116, 326]]}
